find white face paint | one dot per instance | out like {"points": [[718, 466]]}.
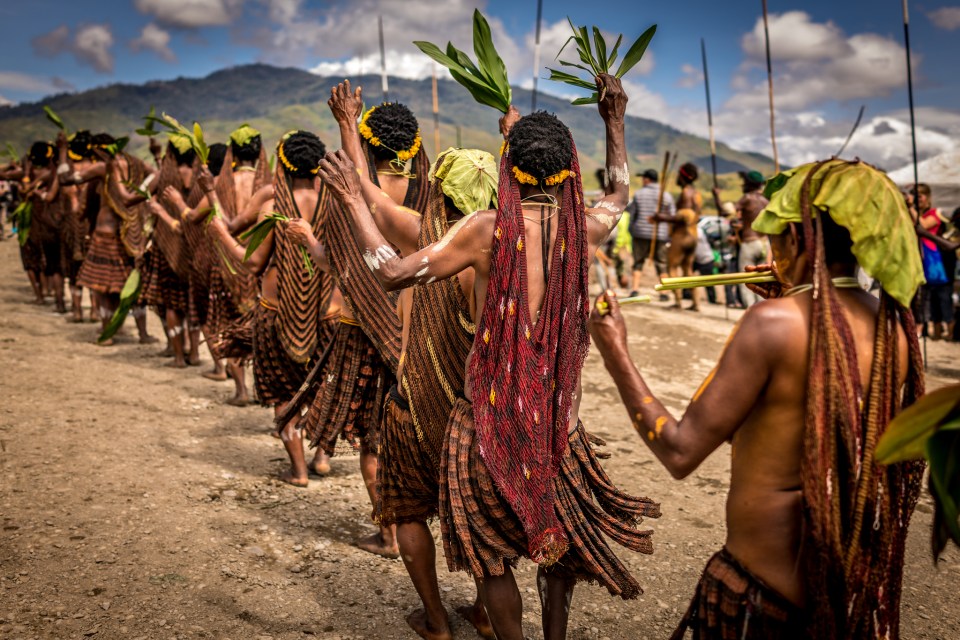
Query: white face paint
{"points": [[376, 259], [452, 233], [619, 175]]}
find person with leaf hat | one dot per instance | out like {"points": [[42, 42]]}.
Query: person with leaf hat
{"points": [[753, 247], [231, 290], [809, 380], [299, 308], [519, 475], [118, 239], [436, 320]]}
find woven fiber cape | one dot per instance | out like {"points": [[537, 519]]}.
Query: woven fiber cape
{"points": [[133, 233], [303, 297], [524, 373], [171, 244], [855, 511], [441, 334], [374, 308]]}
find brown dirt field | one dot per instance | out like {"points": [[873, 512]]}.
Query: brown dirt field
{"points": [[135, 504]]}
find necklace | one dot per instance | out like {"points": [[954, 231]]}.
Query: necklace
{"points": [[843, 282], [238, 169]]}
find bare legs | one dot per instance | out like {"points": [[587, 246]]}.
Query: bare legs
{"points": [[76, 302], [503, 603], [36, 286], [293, 443], [174, 324], [383, 543], [419, 553], [556, 593]]}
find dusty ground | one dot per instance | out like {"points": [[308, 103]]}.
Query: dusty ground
{"points": [[135, 504]]}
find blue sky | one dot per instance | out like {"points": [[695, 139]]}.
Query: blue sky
{"points": [[830, 57]]}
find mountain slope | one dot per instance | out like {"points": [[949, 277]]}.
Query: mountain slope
{"points": [[276, 100]]}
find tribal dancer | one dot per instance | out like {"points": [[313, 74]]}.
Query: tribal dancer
{"points": [[119, 237], [298, 313], [38, 191], [683, 231], [166, 271], [437, 334], [348, 403], [80, 207], [519, 477], [804, 389]]}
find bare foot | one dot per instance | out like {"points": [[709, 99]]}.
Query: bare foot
{"points": [[104, 343], [694, 309], [296, 481], [218, 376], [477, 616], [148, 340], [240, 402], [374, 544], [166, 353], [176, 364], [193, 361], [320, 465], [419, 623]]}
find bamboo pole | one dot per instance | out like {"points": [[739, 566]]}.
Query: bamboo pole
{"points": [[713, 155], [384, 84], [536, 56], [856, 125], [663, 190], [436, 114], [773, 128]]}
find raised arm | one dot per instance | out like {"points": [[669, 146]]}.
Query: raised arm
{"points": [[399, 224], [249, 216], [453, 253], [161, 212], [219, 232], [189, 214], [719, 406], [603, 217]]}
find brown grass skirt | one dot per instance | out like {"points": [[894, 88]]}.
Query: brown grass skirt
{"points": [[162, 287], [482, 534], [235, 338], [732, 604], [105, 269], [349, 401], [408, 478], [278, 377], [31, 256]]}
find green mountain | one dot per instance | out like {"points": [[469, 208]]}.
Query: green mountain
{"points": [[276, 100]]}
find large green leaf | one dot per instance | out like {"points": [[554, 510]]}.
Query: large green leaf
{"points": [[128, 297], [943, 454], [907, 435], [635, 53], [591, 99], [601, 46], [23, 214], [200, 145], [613, 54], [54, 118], [569, 78]]}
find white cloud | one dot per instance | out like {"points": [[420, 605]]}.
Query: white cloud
{"points": [[90, 45], [692, 77], [16, 81], [191, 14], [947, 18], [4, 102], [414, 66], [793, 36], [155, 39]]}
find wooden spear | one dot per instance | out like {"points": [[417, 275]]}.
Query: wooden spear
{"points": [[383, 63], [536, 56], [713, 155], [773, 129], [436, 114], [663, 191], [856, 125]]}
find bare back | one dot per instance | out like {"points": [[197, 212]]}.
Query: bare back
{"points": [[763, 506], [243, 185], [750, 206]]}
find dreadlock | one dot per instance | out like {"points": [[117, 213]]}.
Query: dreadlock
{"points": [[300, 154], [81, 144], [41, 153], [218, 152], [540, 145], [395, 126], [855, 512], [522, 418], [248, 152]]}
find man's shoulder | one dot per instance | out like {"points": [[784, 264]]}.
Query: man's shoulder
{"points": [[773, 324]]}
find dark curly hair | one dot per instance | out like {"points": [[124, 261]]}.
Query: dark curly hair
{"points": [[688, 174], [396, 128], [218, 152], [540, 145], [41, 153], [249, 152], [304, 151], [80, 144], [102, 139], [184, 159]]}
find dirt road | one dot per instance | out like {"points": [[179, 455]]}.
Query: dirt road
{"points": [[135, 504]]}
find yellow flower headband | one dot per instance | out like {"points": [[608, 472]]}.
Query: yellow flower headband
{"points": [[289, 165], [525, 178], [367, 133]]}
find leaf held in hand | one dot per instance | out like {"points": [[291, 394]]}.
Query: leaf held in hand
{"points": [[54, 118], [128, 297]]}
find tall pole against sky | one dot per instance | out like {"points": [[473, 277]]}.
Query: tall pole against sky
{"points": [[536, 54], [383, 63], [436, 114], [773, 128]]}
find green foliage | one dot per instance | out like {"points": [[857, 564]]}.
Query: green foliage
{"points": [[149, 119], [23, 216], [54, 118], [175, 129], [930, 429], [259, 232], [487, 79], [128, 297], [595, 60]]}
